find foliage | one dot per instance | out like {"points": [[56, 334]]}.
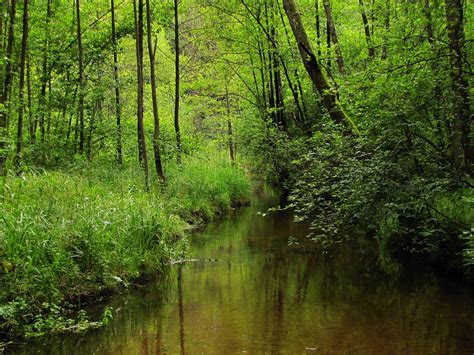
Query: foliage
{"points": [[73, 234]]}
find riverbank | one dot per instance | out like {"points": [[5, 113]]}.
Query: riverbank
{"points": [[68, 236], [260, 294]]}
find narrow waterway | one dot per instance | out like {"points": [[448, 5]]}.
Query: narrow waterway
{"points": [[261, 295]]}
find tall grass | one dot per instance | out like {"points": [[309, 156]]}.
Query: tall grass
{"points": [[66, 235]]}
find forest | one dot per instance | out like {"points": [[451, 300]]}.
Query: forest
{"points": [[125, 124]]}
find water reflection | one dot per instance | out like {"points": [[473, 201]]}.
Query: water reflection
{"points": [[265, 296]]}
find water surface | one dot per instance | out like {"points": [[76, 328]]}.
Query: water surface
{"points": [[265, 296]]}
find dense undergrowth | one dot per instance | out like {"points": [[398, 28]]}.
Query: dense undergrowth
{"points": [[391, 192], [69, 236]]}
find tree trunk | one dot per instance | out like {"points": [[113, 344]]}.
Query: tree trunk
{"points": [[32, 127], [81, 78], [429, 22], [328, 46], [262, 68], [368, 35], [21, 96], [279, 101], [313, 67], [318, 27], [45, 74], [177, 81], [156, 119], [460, 138], [333, 34], [387, 30], [5, 90], [118, 108], [3, 7], [229, 127], [140, 86], [302, 113]]}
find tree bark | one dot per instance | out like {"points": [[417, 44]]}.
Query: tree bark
{"points": [[177, 81], [279, 101], [429, 22], [21, 96], [45, 73], [229, 127], [302, 113], [81, 78], [140, 88], [387, 30], [318, 27], [4, 116], [118, 108], [460, 138], [32, 127], [368, 35], [313, 67], [156, 119], [333, 34]]}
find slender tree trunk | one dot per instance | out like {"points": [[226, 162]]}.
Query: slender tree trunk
{"points": [[3, 7], [118, 108], [4, 113], [333, 34], [48, 122], [262, 69], [318, 27], [140, 88], [177, 81], [65, 102], [156, 119], [271, 88], [95, 110], [45, 74], [229, 127], [293, 87], [81, 78], [460, 139], [32, 127], [71, 116], [279, 101], [255, 82], [437, 90], [313, 67], [21, 96], [368, 35], [328, 46], [429, 22], [387, 29]]}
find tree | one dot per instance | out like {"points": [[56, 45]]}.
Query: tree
{"points": [[142, 154], [45, 70], [460, 139], [80, 107], [313, 67], [229, 126], [156, 119], [118, 108], [177, 81], [387, 29], [21, 96], [333, 34], [5, 90], [368, 36]]}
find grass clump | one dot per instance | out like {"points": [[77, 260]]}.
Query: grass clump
{"points": [[66, 236]]}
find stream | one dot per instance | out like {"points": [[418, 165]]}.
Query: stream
{"points": [[258, 294]]}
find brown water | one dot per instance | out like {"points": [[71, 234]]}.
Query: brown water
{"points": [[264, 296]]}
